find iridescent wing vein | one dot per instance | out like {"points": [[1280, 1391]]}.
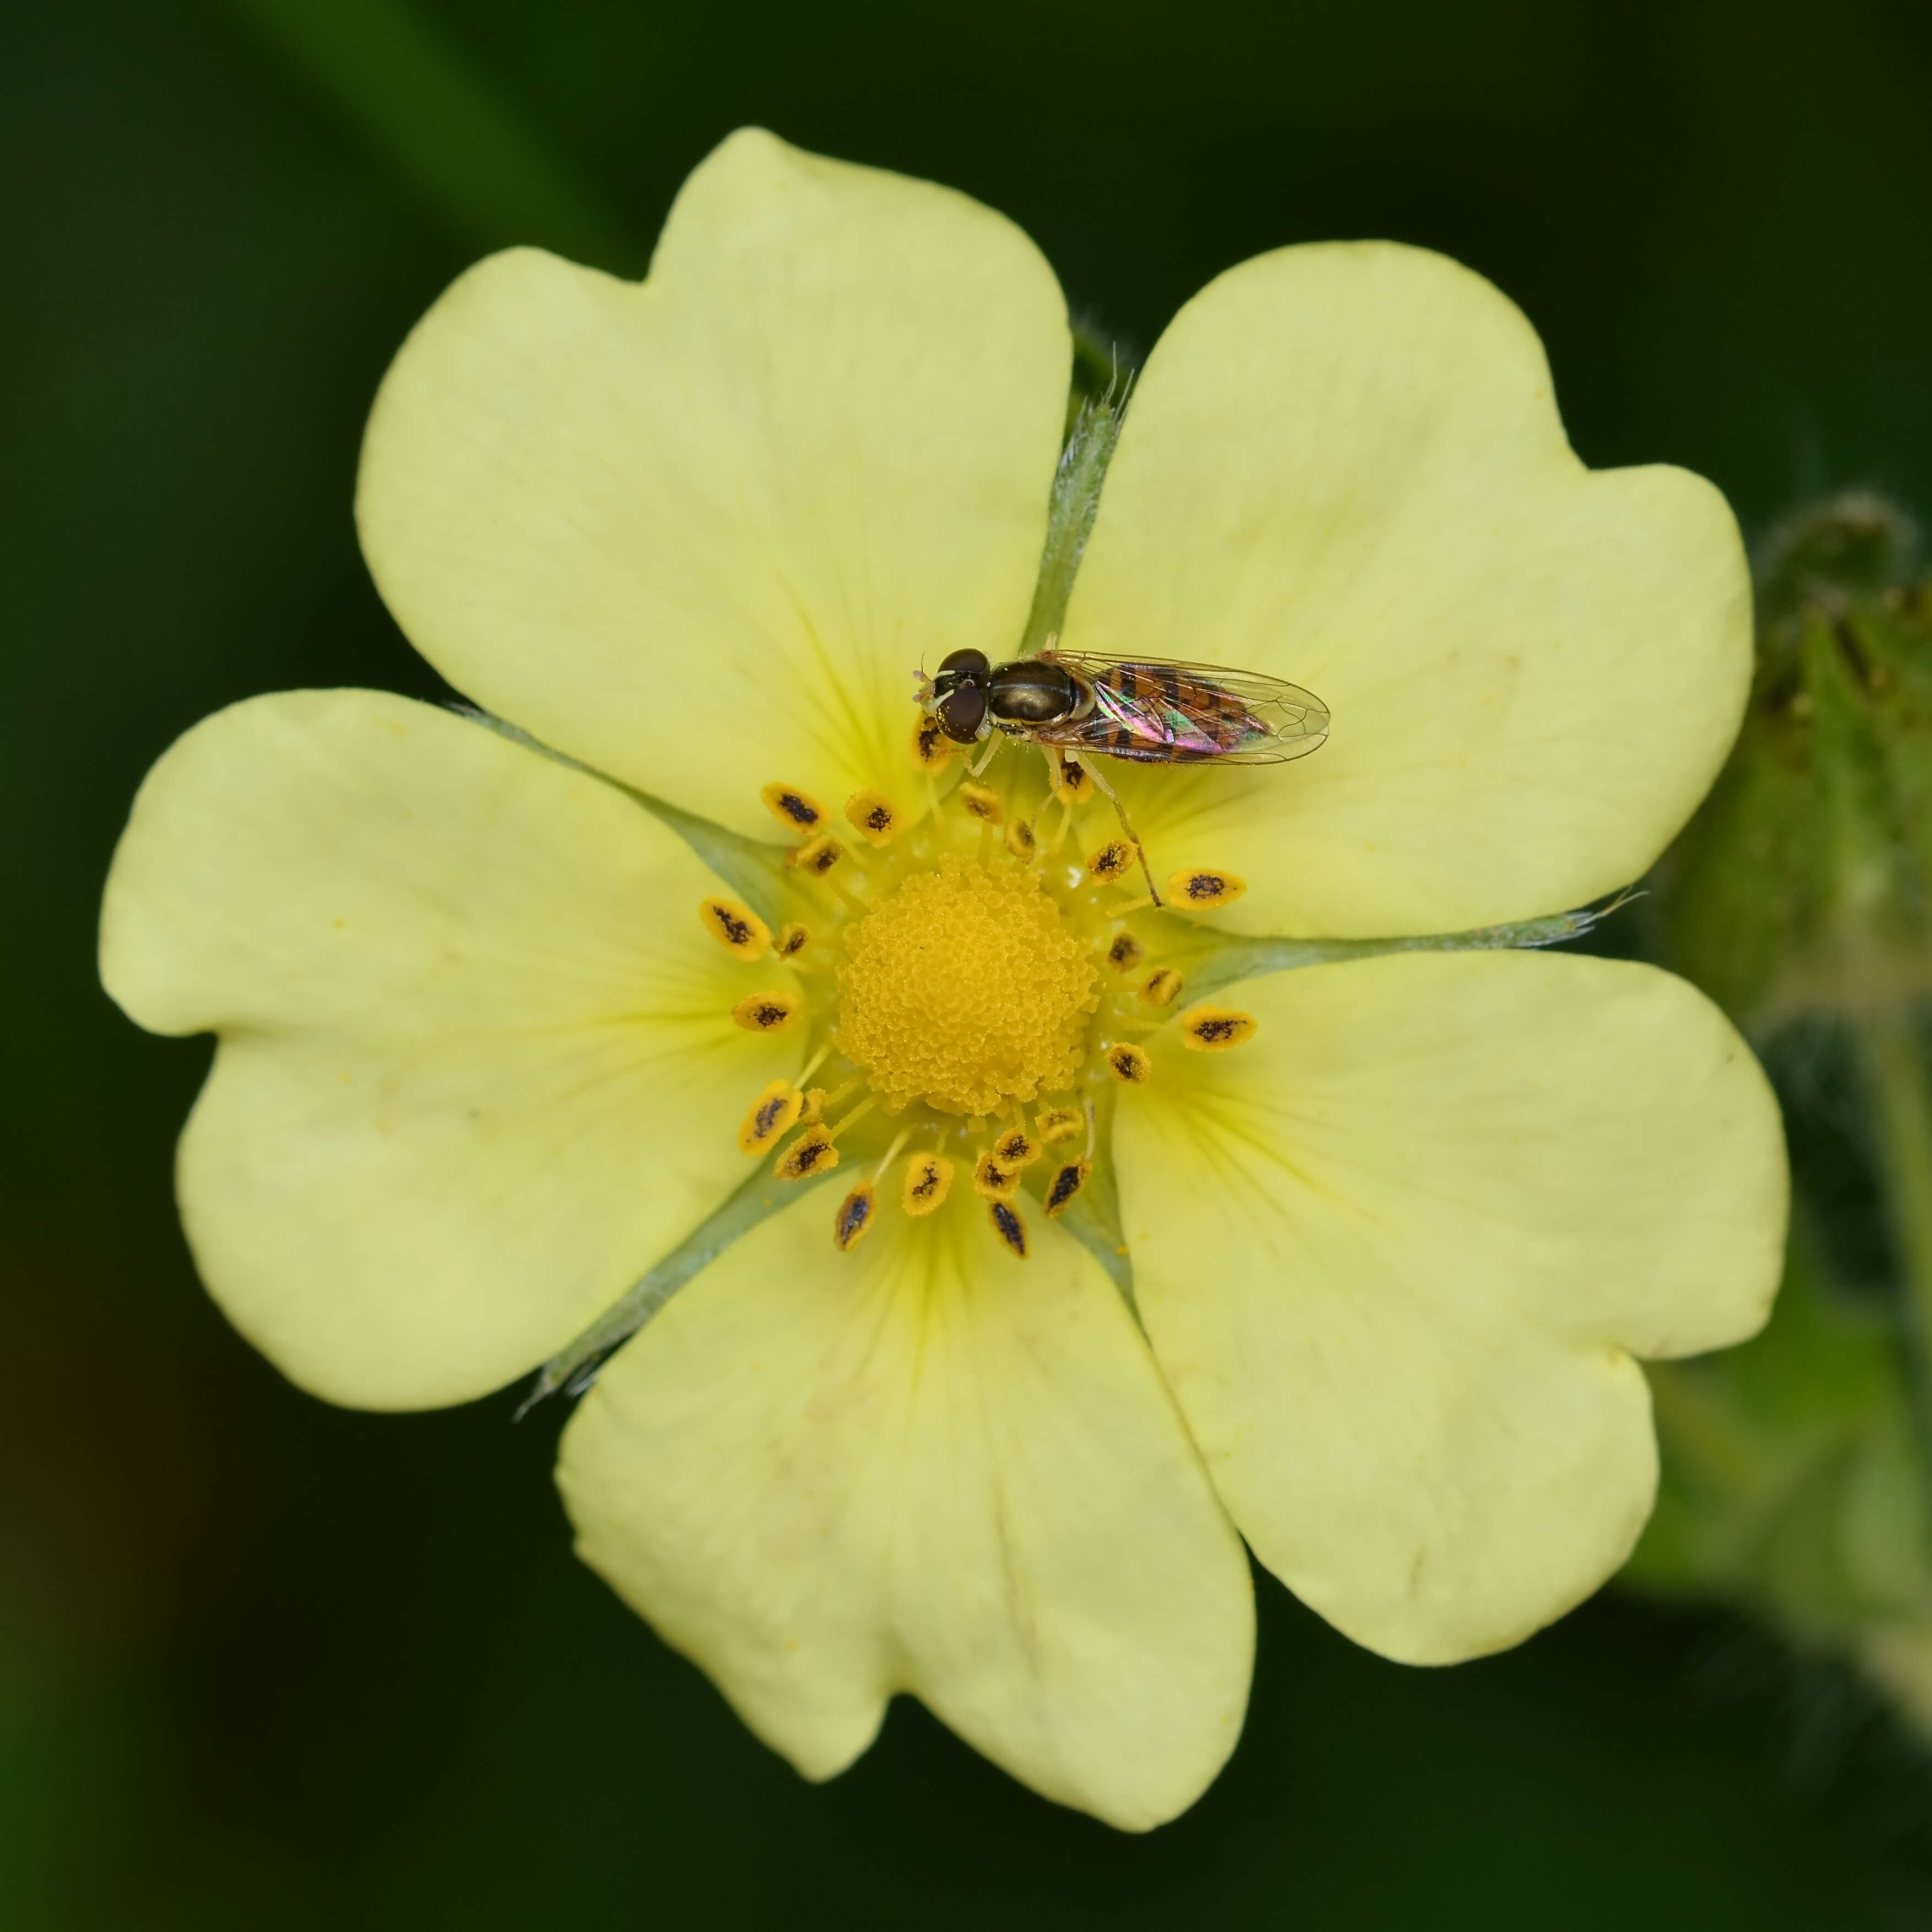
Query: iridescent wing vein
{"points": [[1168, 711]]}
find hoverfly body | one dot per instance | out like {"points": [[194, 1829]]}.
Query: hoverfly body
{"points": [[1079, 705]]}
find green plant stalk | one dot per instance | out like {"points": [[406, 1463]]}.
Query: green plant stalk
{"points": [[1893, 1068], [459, 140]]}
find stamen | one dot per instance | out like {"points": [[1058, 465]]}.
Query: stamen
{"points": [[818, 1100], [857, 1114], [737, 927], [854, 1221], [1160, 986], [1010, 1228], [811, 1153], [1057, 1124], [871, 815], [812, 1065], [1067, 1181], [816, 856], [1061, 830], [1124, 953], [982, 802], [928, 1181], [1215, 1029], [1207, 887], [766, 1012], [931, 746], [1127, 1063], [892, 1153], [790, 940], [1015, 1148], [1074, 783], [772, 1115], [1020, 841], [1113, 861], [797, 811], [997, 1183]]}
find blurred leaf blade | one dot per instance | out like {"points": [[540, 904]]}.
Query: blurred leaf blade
{"points": [[460, 143]]}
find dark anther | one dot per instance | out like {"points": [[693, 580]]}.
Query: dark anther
{"points": [[1067, 1182], [1008, 1225], [855, 1214], [801, 811]]}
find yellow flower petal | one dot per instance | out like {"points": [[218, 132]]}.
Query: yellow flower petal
{"points": [[1396, 1255], [478, 1068], [923, 1466], [701, 531], [1344, 466]]}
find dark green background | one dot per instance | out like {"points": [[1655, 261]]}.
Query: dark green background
{"points": [[267, 1664]]}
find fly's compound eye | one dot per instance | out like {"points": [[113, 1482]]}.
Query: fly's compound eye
{"points": [[961, 712], [959, 667]]}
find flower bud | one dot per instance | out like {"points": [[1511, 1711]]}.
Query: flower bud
{"points": [[1803, 884]]}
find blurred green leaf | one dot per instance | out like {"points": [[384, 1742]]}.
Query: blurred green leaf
{"points": [[460, 142], [1791, 1480]]}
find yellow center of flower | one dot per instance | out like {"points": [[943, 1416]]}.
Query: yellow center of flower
{"points": [[966, 992], [964, 988]]}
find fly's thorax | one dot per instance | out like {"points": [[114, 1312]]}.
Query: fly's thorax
{"points": [[1034, 691]]}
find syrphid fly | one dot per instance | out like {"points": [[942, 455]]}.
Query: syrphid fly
{"points": [[1080, 705]]}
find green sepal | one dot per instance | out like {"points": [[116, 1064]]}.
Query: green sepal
{"points": [[1071, 508], [1803, 884], [1210, 960], [574, 1366], [753, 870]]}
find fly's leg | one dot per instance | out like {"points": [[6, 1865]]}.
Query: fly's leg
{"points": [[994, 740], [1092, 769]]}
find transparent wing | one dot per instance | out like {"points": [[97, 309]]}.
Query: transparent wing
{"points": [[1098, 735], [1173, 711]]}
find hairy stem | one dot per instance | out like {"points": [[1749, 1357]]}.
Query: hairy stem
{"points": [[1892, 1063]]}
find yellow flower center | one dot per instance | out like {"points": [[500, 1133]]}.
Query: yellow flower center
{"points": [[969, 990], [964, 988]]}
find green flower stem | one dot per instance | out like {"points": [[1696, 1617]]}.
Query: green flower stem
{"points": [[446, 129], [1891, 1061], [1892, 1064]]}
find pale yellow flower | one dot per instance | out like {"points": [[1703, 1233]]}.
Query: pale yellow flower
{"points": [[1392, 1254]]}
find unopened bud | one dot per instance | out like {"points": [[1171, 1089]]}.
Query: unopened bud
{"points": [[1805, 882]]}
